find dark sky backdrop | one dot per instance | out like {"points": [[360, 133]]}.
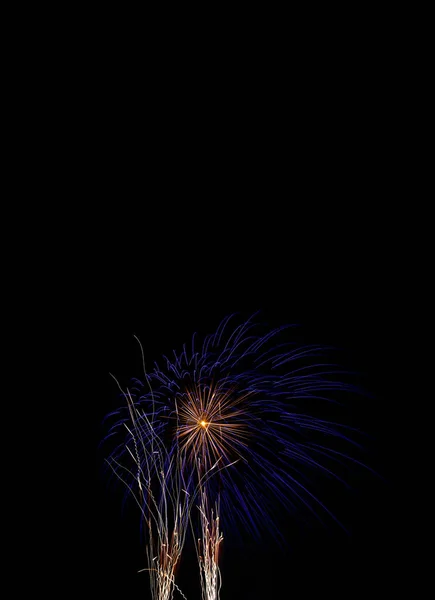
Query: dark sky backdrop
{"points": [[335, 285], [277, 189]]}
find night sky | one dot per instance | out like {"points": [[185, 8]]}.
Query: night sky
{"points": [[182, 194]]}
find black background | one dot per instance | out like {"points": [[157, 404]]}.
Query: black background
{"points": [[177, 194]]}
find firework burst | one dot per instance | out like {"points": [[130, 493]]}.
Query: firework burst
{"points": [[235, 412], [211, 423]]}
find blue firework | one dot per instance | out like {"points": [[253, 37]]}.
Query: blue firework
{"points": [[243, 403]]}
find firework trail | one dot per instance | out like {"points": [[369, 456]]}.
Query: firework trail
{"points": [[243, 397], [161, 494], [208, 549]]}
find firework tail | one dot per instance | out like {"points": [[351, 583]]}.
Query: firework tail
{"points": [[208, 549], [161, 494]]}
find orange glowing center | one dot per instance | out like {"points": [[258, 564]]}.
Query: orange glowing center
{"points": [[203, 423]]}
